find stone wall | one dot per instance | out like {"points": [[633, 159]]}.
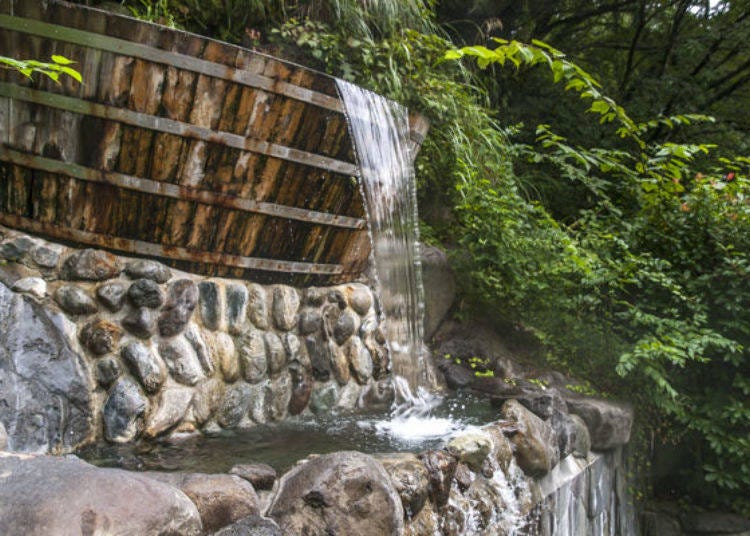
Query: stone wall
{"points": [[101, 346]]}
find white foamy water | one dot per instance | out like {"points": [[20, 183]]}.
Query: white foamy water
{"points": [[380, 131], [412, 420]]}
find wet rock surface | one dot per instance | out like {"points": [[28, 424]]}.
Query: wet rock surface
{"points": [[220, 499], [45, 402], [340, 493], [46, 495], [441, 468], [534, 441], [260, 475], [410, 478]]}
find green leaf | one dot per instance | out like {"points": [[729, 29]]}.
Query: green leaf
{"points": [[61, 60]]}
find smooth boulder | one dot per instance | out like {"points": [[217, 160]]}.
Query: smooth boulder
{"points": [[341, 493], [43, 495], [221, 499]]}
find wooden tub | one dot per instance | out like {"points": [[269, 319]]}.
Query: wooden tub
{"points": [[213, 158]]}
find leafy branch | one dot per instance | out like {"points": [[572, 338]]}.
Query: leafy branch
{"points": [[59, 66]]}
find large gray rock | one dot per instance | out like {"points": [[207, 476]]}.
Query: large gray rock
{"points": [[107, 371], [221, 499], [339, 493], [226, 354], [464, 341], [33, 286], [302, 385], [534, 441], [198, 342], [346, 325], [16, 249], [41, 496], [609, 422], [45, 256], [45, 401], [3, 437], [440, 288]]}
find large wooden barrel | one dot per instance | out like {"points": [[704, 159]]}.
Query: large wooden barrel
{"points": [[215, 159]]}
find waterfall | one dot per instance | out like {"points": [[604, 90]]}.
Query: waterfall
{"points": [[380, 132]]}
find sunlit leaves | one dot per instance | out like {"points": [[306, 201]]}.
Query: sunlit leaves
{"points": [[60, 65]]}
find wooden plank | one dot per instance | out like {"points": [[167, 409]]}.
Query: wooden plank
{"points": [[182, 61], [170, 126], [139, 247], [174, 191]]}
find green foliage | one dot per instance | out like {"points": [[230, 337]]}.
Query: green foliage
{"points": [[621, 242], [650, 282], [59, 66], [154, 11]]}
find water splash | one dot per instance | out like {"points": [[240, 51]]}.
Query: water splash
{"points": [[380, 131]]}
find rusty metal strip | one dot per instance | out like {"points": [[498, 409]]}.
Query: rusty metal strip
{"points": [[178, 128], [139, 247], [175, 59], [166, 189]]}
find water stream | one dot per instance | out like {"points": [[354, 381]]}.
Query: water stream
{"points": [[380, 131], [419, 418]]}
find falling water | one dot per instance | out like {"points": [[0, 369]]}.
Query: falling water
{"points": [[380, 130]]}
